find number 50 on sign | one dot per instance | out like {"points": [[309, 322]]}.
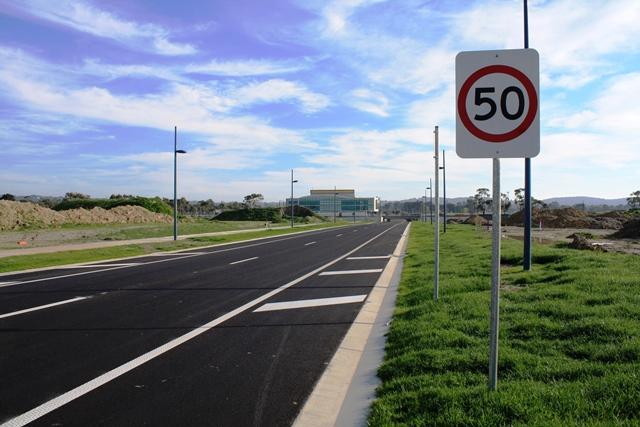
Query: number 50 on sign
{"points": [[497, 104]]}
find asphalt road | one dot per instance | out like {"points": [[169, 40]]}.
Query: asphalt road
{"points": [[191, 338]]}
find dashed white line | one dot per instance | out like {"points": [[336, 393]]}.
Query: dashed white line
{"points": [[370, 257], [89, 386], [318, 302], [310, 243], [355, 231], [41, 307], [243, 260], [335, 273], [338, 235]]}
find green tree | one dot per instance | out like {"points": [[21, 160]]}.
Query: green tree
{"points": [[505, 202], [634, 200], [251, 200], [482, 200], [74, 195], [519, 198]]}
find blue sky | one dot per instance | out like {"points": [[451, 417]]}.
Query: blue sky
{"points": [[345, 92]]}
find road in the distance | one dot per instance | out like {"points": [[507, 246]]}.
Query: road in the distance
{"points": [[176, 339]]}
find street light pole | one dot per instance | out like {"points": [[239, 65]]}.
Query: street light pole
{"points": [[444, 194], [334, 203], [292, 182], [430, 201], [175, 181]]}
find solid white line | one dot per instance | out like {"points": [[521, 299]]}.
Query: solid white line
{"points": [[64, 276], [369, 257], [41, 307], [128, 264], [177, 253], [243, 260], [85, 388], [318, 302], [2, 284], [335, 273], [310, 243], [338, 235]]}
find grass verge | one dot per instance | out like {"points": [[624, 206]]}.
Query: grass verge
{"points": [[25, 262], [569, 338]]}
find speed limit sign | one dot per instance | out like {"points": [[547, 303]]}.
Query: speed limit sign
{"points": [[497, 103]]}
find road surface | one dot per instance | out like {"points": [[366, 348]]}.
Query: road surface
{"points": [[232, 335]]}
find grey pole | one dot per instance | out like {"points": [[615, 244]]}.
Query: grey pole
{"points": [[175, 185], [527, 173], [292, 181], [495, 279], [424, 216], [444, 195], [430, 201], [334, 203], [436, 228]]}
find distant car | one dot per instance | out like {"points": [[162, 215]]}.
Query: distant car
{"points": [[408, 219], [388, 219]]}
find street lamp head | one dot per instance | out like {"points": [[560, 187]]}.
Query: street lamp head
{"points": [[181, 152], [295, 180]]}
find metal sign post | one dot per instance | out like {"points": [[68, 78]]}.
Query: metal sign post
{"points": [[436, 228], [497, 116]]}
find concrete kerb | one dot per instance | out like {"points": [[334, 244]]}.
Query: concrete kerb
{"points": [[62, 266], [345, 391]]}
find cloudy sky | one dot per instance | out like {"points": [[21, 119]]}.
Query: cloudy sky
{"points": [[345, 92]]}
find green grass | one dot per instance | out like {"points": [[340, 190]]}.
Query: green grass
{"points": [[24, 262], [569, 337]]}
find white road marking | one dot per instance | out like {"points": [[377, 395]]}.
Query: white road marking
{"points": [[85, 388], [128, 264], [310, 243], [335, 273], [177, 253], [318, 302], [355, 231], [191, 254], [243, 260], [2, 284], [369, 257], [338, 235], [41, 307]]}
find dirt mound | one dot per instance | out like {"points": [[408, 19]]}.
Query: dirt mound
{"points": [[17, 215], [476, 220], [569, 218], [630, 230]]}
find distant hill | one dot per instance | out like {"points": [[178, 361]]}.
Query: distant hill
{"points": [[588, 201]]}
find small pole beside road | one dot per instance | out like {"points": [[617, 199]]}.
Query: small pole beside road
{"points": [[430, 201], [175, 181], [495, 278], [526, 264], [436, 228], [444, 195], [292, 182]]}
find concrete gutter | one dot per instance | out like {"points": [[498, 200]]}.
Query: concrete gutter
{"points": [[344, 393]]}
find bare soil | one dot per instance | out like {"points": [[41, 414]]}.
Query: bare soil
{"points": [[601, 238]]}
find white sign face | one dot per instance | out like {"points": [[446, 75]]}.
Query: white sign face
{"points": [[497, 103]]}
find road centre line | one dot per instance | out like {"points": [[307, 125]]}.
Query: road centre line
{"points": [[91, 385], [338, 272], [43, 279], [369, 257], [316, 302], [310, 243], [243, 260], [41, 307]]}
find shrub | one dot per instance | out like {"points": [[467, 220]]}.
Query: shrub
{"points": [[255, 214], [154, 204]]}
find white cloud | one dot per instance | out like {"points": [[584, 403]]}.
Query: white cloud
{"points": [[249, 67], [369, 101], [86, 18], [277, 90]]}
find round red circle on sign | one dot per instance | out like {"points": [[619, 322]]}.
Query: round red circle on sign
{"points": [[497, 137]]}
